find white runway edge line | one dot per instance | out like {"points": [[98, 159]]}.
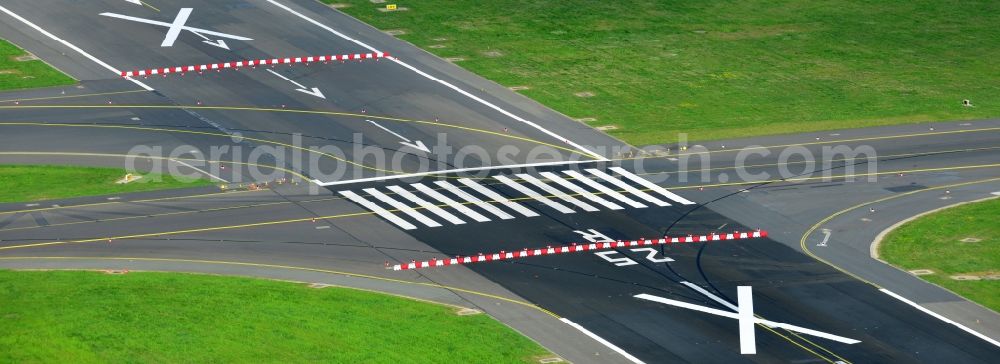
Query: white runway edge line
{"points": [[939, 317], [602, 341], [445, 83], [71, 46]]}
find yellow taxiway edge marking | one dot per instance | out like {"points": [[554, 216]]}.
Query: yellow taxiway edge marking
{"points": [[216, 209], [75, 96], [879, 158], [123, 202], [277, 266], [805, 247], [803, 179], [76, 154], [265, 141], [149, 6], [367, 213], [648, 173], [186, 231]]}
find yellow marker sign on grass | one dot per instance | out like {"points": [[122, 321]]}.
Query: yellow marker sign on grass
{"points": [[390, 7]]}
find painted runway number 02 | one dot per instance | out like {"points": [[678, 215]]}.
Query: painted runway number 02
{"points": [[594, 236]]}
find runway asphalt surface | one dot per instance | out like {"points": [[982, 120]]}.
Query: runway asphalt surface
{"points": [[302, 232]]}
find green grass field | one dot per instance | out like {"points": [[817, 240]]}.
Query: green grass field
{"points": [[92, 317], [23, 183], [16, 74], [934, 242], [721, 69]]}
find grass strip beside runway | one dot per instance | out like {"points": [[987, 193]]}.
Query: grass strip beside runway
{"points": [[935, 242], [23, 183], [25, 73], [79, 316], [720, 69]]}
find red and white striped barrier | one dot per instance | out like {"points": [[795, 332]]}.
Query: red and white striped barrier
{"points": [[575, 248], [254, 63]]}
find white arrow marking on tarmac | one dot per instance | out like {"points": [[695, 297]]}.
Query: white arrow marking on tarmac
{"points": [[137, 2], [418, 145], [178, 25], [315, 91], [745, 316], [219, 43]]}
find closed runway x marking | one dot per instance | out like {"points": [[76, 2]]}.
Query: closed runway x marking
{"points": [[174, 29]]}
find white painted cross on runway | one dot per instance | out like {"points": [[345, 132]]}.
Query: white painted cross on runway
{"points": [[744, 314], [179, 24]]}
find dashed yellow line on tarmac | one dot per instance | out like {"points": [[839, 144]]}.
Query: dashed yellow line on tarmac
{"points": [[312, 112], [277, 266]]}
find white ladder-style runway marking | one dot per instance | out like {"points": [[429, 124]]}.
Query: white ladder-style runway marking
{"points": [[402, 207], [350, 195], [424, 204], [601, 188], [650, 185], [625, 186], [451, 203], [497, 197], [534, 195], [554, 192], [427, 205], [474, 200], [582, 192]]}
